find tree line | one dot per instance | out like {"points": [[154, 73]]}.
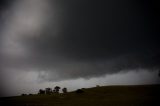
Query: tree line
{"points": [[51, 91]]}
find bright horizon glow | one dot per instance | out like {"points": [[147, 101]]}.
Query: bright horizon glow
{"points": [[28, 82]]}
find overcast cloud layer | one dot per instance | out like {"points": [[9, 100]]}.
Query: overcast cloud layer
{"points": [[70, 39]]}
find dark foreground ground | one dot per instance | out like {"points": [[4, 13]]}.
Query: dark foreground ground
{"points": [[143, 95]]}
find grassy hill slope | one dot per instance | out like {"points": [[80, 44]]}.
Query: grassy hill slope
{"points": [[142, 95]]}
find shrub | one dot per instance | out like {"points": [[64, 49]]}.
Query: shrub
{"points": [[79, 91]]}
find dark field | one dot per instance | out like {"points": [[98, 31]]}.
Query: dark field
{"points": [[142, 95]]}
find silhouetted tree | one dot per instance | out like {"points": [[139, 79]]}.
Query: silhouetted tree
{"points": [[79, 91], [64, 90], [54, 91], [48, 90], [24, 95], [41, 91], [97, 86], [57, 88]]}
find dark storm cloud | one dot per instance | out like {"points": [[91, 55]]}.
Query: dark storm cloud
{"points": [[94, 38], [102, 29], [4, 4]]}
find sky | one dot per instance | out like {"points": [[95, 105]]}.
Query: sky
{"points": [[77, 44]]}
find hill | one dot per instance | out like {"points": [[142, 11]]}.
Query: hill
{"points": [[140, 95]]}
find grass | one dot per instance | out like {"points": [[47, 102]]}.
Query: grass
{"points": [[141, 95]]}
